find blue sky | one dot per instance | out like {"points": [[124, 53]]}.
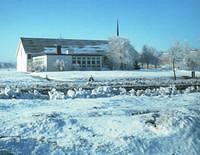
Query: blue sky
{"points": [[154, 22]]}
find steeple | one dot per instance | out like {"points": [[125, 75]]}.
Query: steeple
{"points": [[117, 28]]}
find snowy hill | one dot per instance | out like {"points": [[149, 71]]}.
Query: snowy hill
{"points": [[6, 65]]}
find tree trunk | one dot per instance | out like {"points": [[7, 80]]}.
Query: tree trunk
{"points": [[173, 67], [193, 74]]}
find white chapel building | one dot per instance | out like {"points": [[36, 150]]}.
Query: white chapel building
{"points": [[45, 54]]}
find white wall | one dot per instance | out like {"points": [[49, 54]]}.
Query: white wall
{"points": [[51, 62], [40, 61], [21, 59]]}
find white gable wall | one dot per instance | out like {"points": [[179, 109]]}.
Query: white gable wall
{"points": [[21, 59]]}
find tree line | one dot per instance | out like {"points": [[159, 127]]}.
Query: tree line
{"points": [[123, 56]]}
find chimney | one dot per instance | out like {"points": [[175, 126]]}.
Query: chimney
{"points": [[58, 49]]}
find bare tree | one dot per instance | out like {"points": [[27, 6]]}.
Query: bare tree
{"points": [[177, 54], [192, 61], [154, 59], [144, 57], [149, 56]]}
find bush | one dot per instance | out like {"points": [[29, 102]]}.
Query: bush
{"points": [[136, 66]]}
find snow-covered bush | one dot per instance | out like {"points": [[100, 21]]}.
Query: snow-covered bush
{"points": [[122, 91], [57, 64], [3, 95], [132, 92], [71, 93], [38, 95], [54, 94], [154, 92], [189, 90], [60, 65], [102, 91], [147, 92], [8, 91], [164, 91], [198, 88], [16, 93], [173, 90], [139, 92], [82, 93]]}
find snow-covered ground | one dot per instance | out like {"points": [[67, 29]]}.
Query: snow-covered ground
{"points": [[13, 78], [116, 125], [104, 120], [110, 75]]}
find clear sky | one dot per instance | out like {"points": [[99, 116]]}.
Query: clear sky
{"points": [[154, 22]]}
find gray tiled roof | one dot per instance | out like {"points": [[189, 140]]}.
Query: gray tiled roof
{"points": [[37, 45]]}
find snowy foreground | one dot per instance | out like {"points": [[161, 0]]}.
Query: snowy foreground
{"points": [[116, 125], [104, 120]]}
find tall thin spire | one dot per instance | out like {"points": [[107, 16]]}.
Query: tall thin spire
{"points": [[117, 28]]}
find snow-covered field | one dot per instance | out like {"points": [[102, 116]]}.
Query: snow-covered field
{"points": [[117, 125], [110, 75], [12, 77], [153, 122]]}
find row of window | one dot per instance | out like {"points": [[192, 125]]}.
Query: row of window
{"points": [[38, 60], [86, 61], [83, 62]]}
